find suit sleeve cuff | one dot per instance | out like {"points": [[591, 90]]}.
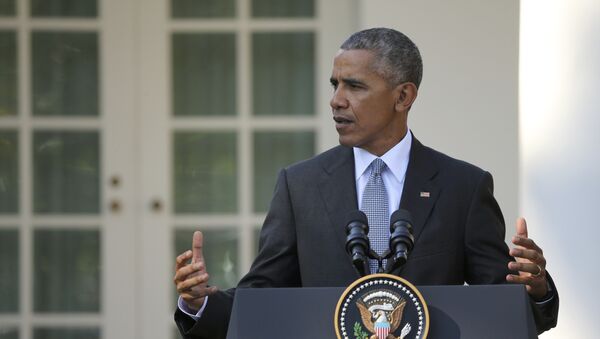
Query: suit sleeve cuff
{"points": [[548, 297], [183, 307]]}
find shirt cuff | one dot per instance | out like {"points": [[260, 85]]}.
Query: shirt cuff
{"points": [[549, 295], [183, 307]]}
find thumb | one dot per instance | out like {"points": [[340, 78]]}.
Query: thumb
{"points": [[197, 241], [522, 227]]}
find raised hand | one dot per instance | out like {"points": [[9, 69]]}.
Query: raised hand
{"points": [[530, 263], [191, 278]]}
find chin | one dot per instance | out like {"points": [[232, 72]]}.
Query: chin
{"points": [[345, 141]]}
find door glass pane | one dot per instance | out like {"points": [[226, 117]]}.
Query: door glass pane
{"points": [[283, 69], [64, 8], [65, 73], [204, 81], [9, 172], [205, 172], [202, 8], [220, 253], [66, 273], [66, 333], [9, 272], [8, 73], [283, 8], [66, 172], [7, 8], [273, 151], [9, 333]]}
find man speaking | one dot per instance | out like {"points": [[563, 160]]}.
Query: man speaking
{"points": [[379, 167]]}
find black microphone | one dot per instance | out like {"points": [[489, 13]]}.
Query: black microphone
{"points": [[401, 238], [357, 242]]}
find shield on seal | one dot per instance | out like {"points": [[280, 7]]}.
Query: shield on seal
{"points": [[382, 330]]}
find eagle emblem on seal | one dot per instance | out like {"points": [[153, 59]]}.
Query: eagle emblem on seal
{"points": [[381, 313]]}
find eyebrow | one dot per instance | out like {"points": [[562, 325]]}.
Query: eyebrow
{"points": [[349, 81]]}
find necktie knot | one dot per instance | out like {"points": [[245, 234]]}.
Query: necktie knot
{"points": [[377, 166]]}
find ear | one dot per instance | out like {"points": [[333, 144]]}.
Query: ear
{"points": [[407, 94]]}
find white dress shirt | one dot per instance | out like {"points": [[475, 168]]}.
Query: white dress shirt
{"points": [[396, 160]]}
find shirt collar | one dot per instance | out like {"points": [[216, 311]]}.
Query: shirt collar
{"points": [[396, 159]]}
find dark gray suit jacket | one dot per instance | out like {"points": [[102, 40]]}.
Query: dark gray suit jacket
{"points": [[458, 229]]}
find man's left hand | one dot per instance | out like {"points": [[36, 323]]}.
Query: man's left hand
{"points": [[530, 263]]}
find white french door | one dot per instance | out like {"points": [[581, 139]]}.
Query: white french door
{"points": [[127, 124], [67, 218]]}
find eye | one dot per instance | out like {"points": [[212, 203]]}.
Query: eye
{"points": [[334, 84], [355, 85]]}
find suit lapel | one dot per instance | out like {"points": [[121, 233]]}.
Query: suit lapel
{"points": [[420, 191], [338, 195], [419, 194]]}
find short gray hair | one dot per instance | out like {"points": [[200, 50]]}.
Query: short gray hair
{"points": [[397, 58]]}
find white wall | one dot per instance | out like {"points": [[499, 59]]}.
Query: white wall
{"points": [[560, 158], [468, 108], [467, 104]]}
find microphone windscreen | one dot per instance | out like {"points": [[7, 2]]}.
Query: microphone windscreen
{"points": [[357, 215], [401, 215]]}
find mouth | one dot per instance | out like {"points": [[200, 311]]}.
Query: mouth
{"points": [[341, 120]]}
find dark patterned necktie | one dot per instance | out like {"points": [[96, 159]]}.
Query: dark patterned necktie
{"points": [[376, 207]]}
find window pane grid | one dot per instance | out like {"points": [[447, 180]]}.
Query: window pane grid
{"points": [[270, 112], [255, 118], [26, 323], [247, 126]]}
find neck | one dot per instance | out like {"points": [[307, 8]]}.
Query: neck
{"points": [[388, 145]]}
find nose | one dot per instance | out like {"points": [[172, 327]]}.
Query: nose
{"points": [[338, 100]]}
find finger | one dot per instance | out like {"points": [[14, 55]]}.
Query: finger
{"points": [[527, 280], [188, 284], [182, 259], [522, 227], [528, 256], [197, 241], [190, 296], [519, 279], [526, 243], [184, 272], [532, 269]]}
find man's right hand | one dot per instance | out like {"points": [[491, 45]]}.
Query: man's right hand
{"points": [[191, 278]]}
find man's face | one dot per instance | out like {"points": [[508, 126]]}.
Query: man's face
{"points": [[365, 107]]}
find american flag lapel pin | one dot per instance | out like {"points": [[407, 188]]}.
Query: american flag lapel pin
{"points": [[425, 195]]}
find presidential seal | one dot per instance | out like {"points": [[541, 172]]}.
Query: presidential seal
{"points": [[381, 306]]}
